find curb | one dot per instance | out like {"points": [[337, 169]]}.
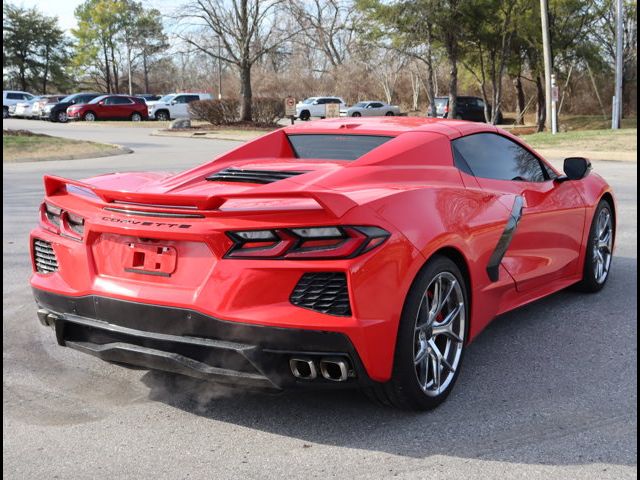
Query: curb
{"points": [[207, 135]]}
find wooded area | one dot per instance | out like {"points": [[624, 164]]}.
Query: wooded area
{"points": [[403, 51]]}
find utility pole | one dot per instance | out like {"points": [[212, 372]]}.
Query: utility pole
{"points": [[616, 114], [554, 105], [219, 71], [548, 65]]}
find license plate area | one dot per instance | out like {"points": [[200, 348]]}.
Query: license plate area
{"points": [[150, 259]]}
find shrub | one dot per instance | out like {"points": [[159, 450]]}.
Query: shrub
{"points": [[216, 112], [267, 110]]}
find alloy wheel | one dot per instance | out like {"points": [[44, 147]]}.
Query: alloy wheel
{"points": [[439, 334], [602, 245]]}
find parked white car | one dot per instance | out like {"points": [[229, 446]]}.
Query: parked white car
{"points": [[370, 109], [38, 106], [11, 98], [174, 105], [315, 107], [25, 109]]}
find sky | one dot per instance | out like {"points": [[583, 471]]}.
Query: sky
{"points": [[63, 9]]}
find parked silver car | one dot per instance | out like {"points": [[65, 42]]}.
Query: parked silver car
{"points": [[370, 109]]}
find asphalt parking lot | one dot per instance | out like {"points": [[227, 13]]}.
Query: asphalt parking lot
{"points": [[548, 391]]}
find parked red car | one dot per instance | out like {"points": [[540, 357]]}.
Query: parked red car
{"points": [[345, 252], [110, 107]]}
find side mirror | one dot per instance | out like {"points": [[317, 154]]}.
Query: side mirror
{"points": [[315, 102], [576, 168], [101, 102]]}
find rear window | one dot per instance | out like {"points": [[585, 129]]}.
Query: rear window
{"points": [[335, 147]]}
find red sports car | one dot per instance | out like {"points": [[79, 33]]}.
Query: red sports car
{"points": [[110, 107], [341, 252]]}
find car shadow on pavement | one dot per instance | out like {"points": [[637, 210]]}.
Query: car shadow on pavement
{"points": [[541, 385]]}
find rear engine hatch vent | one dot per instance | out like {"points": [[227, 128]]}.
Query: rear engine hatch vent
{"points": [[252, 176]]}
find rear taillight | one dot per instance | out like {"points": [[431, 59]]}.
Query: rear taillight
{"points": [[75, 223], [52, 214], [446, 109], [305, 243], [61, 222]]}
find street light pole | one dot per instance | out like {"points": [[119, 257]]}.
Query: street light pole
{"points": [[548, 65], [616, 114]]}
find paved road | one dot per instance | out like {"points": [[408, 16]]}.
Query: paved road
{"points": [[548, 391]]}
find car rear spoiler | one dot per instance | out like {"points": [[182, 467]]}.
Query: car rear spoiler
{"points": [[335, 203]]}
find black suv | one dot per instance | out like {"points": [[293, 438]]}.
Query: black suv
{"points": [[58, 111], [467, 108]]}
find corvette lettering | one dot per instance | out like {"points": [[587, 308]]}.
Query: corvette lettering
{"points": [[143, 223]]}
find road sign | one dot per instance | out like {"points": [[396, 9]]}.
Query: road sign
{"points": [[290, 107], [332, 110], [555, 94]]}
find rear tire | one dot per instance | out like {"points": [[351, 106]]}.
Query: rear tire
{"points": [[62, 117], [599, 254], [136, 117], [388, 114], [431, 339], [5, 112]]}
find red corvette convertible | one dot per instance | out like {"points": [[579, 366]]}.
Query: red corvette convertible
{"points": [[342, 252]]}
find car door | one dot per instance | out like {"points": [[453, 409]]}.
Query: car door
{"points": [[318, 107], [107, 108], [179, 107], [188, 100], [476, 107], [375, 109], [546, 242]]}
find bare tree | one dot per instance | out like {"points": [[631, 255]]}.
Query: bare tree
{"points": [[327, 24], [245, 29]]}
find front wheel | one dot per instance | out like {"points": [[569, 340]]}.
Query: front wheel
{"points": [[163, 116], [62, 117], [305, 115], [599, 254], [136, 117], [89, 117], [389, 114], [356, 114], [431, 339], [5, 112]]}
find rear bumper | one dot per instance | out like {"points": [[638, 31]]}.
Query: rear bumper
{"points": [[190, 343]]}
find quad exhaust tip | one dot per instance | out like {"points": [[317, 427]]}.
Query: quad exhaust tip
{"points": [[333, 369], [46, 318], [303, 368]]}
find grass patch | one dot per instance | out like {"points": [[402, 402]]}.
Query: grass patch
{"points": [[26, 146], [624, 140]]}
